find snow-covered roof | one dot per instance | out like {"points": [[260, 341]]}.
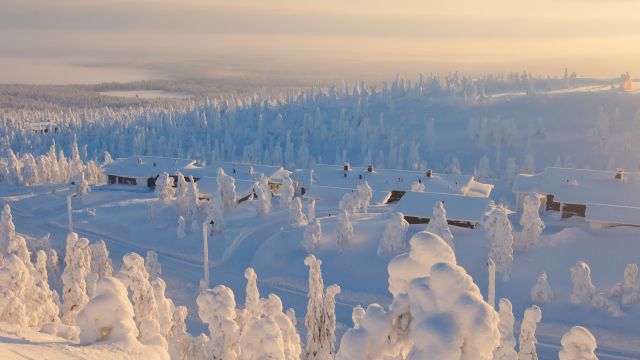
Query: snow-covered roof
{"points": [[389, 179], [239, 171], [582, 186], [208, 185], [458, 207], [150, 166], [611, 214], [333, 194]]}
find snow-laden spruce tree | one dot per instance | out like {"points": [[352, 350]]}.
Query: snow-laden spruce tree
{"points": [[15, 285], [454, 168], [507, 348], [100, 261], [135, 277], [181, 232], [217, 309], [296, 216], [164, 188], [214, 217], [152, 265], [417, 186], [394, 236], [287, 192], [583, 289], [329, 322], [182, 193], [348, 202], [45, 301], [500, 234], [226, 190], [311, 209], [311, 236], [166, 308], [629, 290], [108, 316], [77, 260], [438, 223], [30, 173], [532, 225], [191, 200], [529, 164], [511, 171], [483, 170], [364, 195], [527, 349], [263, 191], [578, 344], [252, 300], [7, 229], [541, 292], [291, 339], [344, 231], [150, 334], [82, 186]]}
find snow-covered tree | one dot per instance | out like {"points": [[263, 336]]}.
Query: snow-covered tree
{"points": [[108, 316], [252, 301], [507, 348], [287, 192], [527, 349], [578, 344], [349, 202], [264, 195], [7, 229], [500, 233], [135, 277], [82, 186], [214, 217], [529, 164], [511, 171], [191, 200], [438, 223], [77, 266], [166, 308], [181, 232], [454, 168], [394, 236], [328, 349], [583, 289], [344, 231], [226, 190], [363, 196], [532, 225], [217, 309], [483, 170], [152, 265], [296, 216], [164, 188], [417, 186], [312, 235], [100, 262], [629, 290], [291, 339], [541, 292], [311, 209]]}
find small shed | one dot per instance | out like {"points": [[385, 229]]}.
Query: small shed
{"points": [[462, 211]]}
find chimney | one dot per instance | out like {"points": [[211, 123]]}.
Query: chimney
{"points": [[370, 168], [429, 173], [619, 175], [346, 167]]}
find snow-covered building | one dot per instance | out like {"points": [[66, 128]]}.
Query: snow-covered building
{"points": [[463, 211], [395, 183], [143, 170], [604, 198]]}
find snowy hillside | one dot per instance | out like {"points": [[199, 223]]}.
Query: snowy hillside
{"points": [[450, 139]]}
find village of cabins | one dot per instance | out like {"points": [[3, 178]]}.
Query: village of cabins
{"points": [[602, 198]]}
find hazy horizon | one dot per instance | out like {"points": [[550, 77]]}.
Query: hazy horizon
{"points": [[75, 41]]}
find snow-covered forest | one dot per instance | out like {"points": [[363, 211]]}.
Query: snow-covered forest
{"points": [[270, 230]]}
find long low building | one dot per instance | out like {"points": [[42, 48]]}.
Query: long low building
{"points": [[463, 211], [602, 197]]}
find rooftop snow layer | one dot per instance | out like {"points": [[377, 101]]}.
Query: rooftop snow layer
{"points": [[458, 207], [388, 179], [150, 166], [581, 186], [610, 214]]}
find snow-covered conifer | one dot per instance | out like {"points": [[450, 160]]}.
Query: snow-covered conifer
{"points": [[541, 292], [152, 265], [417, 186], [578, 344], [311, 209], [296, 216], [290, 337], [529, 164], [217, 309], [77, 265], [454, 168], [82, 186], [629, 290], [164, 188], [100, 260], [264, 195], [166, 308], [328, 348], [191, 200], [226, 190], [506, 350], [363, 196], [287, 192], [500, 233], [438, 223], [344, 231], [532, 225], [583, 289], [527, 349], [511, 171], [349, 202], [394, 236], [483, 170], [314, 318], [252, 301], [136, 278], [7, 229], [214, 217], [312, 235]]}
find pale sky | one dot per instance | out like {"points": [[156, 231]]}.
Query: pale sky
{"points": [[62, 41]]}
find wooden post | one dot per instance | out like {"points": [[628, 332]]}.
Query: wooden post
{"points": [[205, 240], [492, 283], [69, 215]]}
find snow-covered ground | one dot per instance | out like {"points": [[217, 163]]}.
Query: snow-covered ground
{"points": [[572, 129]]}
